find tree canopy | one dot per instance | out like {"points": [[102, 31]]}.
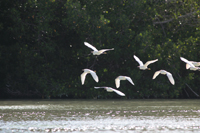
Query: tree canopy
{"points": [[42, 51]]}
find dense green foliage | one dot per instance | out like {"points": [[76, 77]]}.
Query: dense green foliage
{"points": [[42, 51]]}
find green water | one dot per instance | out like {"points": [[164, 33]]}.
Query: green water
{"points": [[139, 116]]}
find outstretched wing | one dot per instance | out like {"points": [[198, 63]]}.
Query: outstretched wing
{"points": [[90, 46], [99, 87], [117, 82], [149, 62], [196, 63], [186, 61], [103, 50], [83, 75], [130, 80], [138, 60], [94, 75], [118, 92], [171, 79], [156, 74]]}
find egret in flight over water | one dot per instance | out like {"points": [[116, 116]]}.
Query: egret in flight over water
{"points": [[86, 71], [109, 89], [169, 75], [96, 52], [144, 66], [117, 80]]}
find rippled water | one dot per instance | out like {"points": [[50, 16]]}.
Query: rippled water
{"points": [[100, 116]]}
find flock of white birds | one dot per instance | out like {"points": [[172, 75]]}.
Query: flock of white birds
{"points": [[192, 65]]}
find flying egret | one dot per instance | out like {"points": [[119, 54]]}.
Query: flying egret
{"points": [[96, 52], [189, 64], [109, 89], [169, 75], [117, 80], [196, 64], [144, 66], [86, 71]]}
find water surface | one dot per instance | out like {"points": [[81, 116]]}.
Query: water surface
{"points": [[100, 116]]}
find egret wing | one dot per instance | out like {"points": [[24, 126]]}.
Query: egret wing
{"points": [[118, 92], [171, 79], [138, 60], [187, 66], [130, 80], [149, 62], [94, 75], [156, 74], [90, 46], [186, 61], [195, 63], [83, 75], [117, 82], [103, 50], [98, 87]]}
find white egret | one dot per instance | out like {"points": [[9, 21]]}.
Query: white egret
{"points": [[86, 71], [96, 52], [196, 64], [169, 75], [117, 80], [190, 65], [109, 89], [144, 66]]}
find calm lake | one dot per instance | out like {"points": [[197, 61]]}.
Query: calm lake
{"points": [[139, 116]]}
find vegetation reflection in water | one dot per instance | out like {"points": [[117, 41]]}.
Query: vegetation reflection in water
{"points": [[100, 115]]}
